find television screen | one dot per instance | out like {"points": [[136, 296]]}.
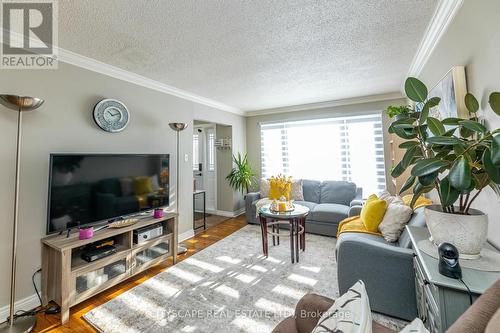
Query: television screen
{"points": [[88, 189]]}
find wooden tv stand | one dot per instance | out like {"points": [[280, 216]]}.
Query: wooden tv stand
{"points": [[68, 280]]}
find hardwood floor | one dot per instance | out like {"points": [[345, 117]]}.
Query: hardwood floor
{"points": [[51, 323]]}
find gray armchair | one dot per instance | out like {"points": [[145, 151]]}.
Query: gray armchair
{"points": [[386, 268]]}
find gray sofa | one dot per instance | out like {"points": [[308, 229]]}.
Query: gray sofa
{"points": [[330, 202], [386, 268]]}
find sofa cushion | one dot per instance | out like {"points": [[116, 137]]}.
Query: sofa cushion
{"points": [[307, 204], [311, 190], [417, 220], [329, 213], [337, 192], [358, 236]]}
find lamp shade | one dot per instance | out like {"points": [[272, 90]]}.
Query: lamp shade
{"points": [[178, 126], [20, 103]]}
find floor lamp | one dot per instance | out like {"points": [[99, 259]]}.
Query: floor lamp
{"points": [[21, 105], [178, 127]]}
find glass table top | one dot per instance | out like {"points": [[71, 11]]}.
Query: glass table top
{"points": [[297, 212]]}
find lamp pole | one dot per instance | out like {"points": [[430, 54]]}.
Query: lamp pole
{"points": [[178, 127], [20, 104]]}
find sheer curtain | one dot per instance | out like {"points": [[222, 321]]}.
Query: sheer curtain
{"points": [[347, 148]]}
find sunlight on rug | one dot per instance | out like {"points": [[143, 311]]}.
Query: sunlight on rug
{"points": [[228, 287]]}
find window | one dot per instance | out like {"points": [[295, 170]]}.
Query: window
{"points": [[211, 151], [349, 148], [196, 152]]}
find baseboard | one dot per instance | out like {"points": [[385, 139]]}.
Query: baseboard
{"points": [[25, 304], [230, 214], [186, 235]]}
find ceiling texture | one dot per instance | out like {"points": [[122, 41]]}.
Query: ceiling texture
{"points": [[253, 55]]}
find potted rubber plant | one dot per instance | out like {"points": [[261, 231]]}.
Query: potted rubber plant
{"points": [[458, 158], [242, 177]]}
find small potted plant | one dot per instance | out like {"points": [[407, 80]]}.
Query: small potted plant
{"points": [[242, 177], [398, 112], [458, 158]]}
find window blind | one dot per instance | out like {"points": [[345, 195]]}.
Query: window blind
{"points": [[347, 148]]}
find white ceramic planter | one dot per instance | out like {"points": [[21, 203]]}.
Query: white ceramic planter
{"points": [[467, 232]]}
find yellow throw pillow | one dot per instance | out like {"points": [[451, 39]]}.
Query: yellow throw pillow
{"points": [[421, 201], [373, 212], [142, 185]]}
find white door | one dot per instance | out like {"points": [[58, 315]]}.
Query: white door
{"points": [[204, 166]]}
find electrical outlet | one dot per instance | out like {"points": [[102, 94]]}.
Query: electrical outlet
{"points": [[186, 158]]}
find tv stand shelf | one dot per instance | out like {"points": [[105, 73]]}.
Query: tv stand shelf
{"points": [[68, 280]]}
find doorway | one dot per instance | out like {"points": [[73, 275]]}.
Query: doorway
{"points": [[212, 162]]}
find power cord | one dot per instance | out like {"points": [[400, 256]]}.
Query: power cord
{"points": [[52, 309], [468, 290]]}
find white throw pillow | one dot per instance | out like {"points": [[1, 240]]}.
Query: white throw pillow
{"points": [[297, 192], [389, 198], [264, 188], [416, 326], [349, 314], [395, 219]]}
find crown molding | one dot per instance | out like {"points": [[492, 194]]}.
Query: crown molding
{"points": [[327, 104], [441, 19], [91, 64], [100, 67]]}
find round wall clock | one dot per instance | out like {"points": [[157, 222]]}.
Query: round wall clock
{"points": [[111, 115]]}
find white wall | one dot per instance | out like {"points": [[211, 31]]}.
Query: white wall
{"points": [[64, 124], [473, 40]]}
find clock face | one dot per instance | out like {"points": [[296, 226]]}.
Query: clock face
{"points": [[111, 115]]}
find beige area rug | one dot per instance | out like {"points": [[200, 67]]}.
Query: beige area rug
{"points": [[228, 287]]}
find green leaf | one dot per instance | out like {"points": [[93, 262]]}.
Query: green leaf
{"points": [[495, 150], [444, 140], [408, 144], [397, 170], [465, 132], [427, 180], [418, 190], [480, 180], [415, 90], [451, 121], [491, 169], [450, 132], [407, 184], [460, 174], [471, 103], [435, 126], [495, 102], [473, 126], [402, 133], [408, 157], [448, 194], [432, 102], [427, 166]]}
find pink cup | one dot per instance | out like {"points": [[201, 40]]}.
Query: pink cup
{"points": [[158, 213], [86, 233]]}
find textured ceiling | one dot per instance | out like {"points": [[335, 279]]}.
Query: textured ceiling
{"points": [[253, 54]]}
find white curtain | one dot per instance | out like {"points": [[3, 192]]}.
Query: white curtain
{"points": [[347, 148]]}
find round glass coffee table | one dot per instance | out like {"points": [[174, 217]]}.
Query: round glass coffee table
{"points": [[295, 220]]}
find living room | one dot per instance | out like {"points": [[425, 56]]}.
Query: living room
{"points": [[321, 104]]}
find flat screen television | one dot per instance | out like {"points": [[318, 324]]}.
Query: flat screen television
{"points": [[88, 189]]}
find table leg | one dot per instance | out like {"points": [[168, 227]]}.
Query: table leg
{"points": [[278, 232], [304, 234], [263, 230], [297, 235], [204, 211], [291, 241], [274, 237]]}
